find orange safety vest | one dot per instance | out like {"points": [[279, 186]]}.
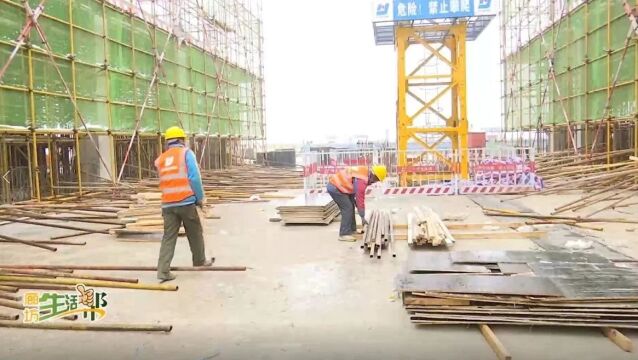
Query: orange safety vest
{"points": [[342, 180], [173, 175]]}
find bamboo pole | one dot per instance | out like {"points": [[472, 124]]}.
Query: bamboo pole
{"points": [[33, 286], [4, 316], [55, 274], [8, 296], [87, 326], [31, 222], [26, 242], [124, 268], [47, 242], [8, 288], [88, 282]]}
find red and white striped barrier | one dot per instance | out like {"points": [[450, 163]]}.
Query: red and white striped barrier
{"points": [[422, 190], [493, 189]]}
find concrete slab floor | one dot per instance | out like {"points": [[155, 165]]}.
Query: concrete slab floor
{"points": [[306, 296]]}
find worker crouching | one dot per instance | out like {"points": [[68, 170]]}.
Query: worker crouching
{"points": [[182, 192], [348, 189]]}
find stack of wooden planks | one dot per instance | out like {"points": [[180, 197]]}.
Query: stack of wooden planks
{"points": [[309, 209], [552, 288], [379, 234], [425, 227]]}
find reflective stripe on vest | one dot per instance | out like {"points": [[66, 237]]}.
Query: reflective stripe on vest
{"points": [[173, 174], [342, 180]]}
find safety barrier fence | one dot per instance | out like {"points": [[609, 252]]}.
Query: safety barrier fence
{"points": [[491, 170]]}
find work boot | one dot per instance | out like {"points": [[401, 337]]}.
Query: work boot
{"points": [[206, 263], [165, 278], [349, 238]]}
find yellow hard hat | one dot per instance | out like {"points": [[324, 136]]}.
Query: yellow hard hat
{"points": [[174, 132], [380, 171]]}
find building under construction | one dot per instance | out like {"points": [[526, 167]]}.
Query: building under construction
{"points": [[569, 75], [88, 87]]}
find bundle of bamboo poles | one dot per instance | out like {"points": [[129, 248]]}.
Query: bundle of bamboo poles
{"points": [[425, 227], [379, 234]]}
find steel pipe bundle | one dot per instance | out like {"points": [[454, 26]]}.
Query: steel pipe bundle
{"points": [[378, 234]]}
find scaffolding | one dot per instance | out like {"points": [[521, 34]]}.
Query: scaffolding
{"points": [[88, 87], [569, 75]]}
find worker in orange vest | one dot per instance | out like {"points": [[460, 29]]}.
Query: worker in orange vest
{"points": [[348, 189], [182, 192]]}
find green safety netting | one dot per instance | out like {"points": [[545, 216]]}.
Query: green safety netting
{"points": [[111, 98], [583, 66]]}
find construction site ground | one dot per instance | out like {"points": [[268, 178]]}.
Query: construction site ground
{"points": [[305, 295]]}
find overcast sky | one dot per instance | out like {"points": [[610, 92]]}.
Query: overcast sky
{"points": [[325, 77]]}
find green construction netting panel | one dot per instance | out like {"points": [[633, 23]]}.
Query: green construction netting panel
{"points": [[169, 75], [167, 48], [88, 15], [597, 43], [143, 92], [58, 8], [11, 21], [120, 57], [197, 59], [141, 36], [597, 74], [577, 24], [596, 104], [144, 64], [168, 119], [211, 85], [577, 52], [89, 48], [199, 124], [577, 83], [118, 26], [211, 66], [45, 76], [94, 114], [122, 117], [183, 77], [199, 104], [183, 99], [628, 65], [597, 14], [90, 82], [150, 122], [56, 34], [182, 56], [623, 101], [53, 112], [14, 108], [17, 72], [561, 60], [619, 30], [198, 81], [577, 108], [121, 88]]}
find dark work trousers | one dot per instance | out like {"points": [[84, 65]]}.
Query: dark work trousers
{"points": [[174, 217], [346, 205]]}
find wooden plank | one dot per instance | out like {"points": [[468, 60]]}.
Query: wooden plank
{"points": [[500, 235], [425, 301], [514, 268], [478, 284], [525, 323], [494, 342], [618, 338]]}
